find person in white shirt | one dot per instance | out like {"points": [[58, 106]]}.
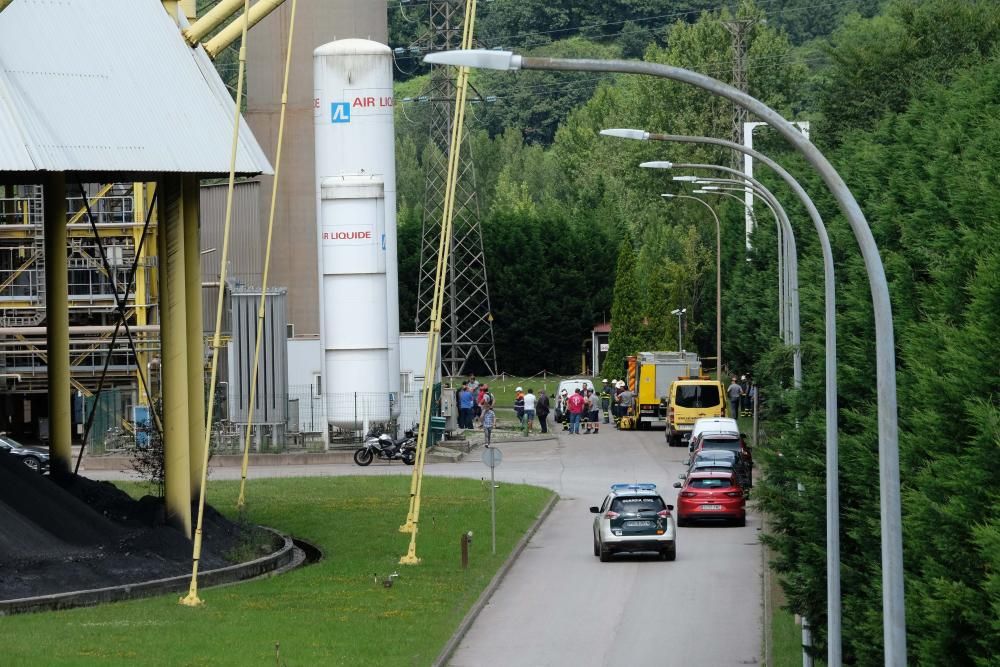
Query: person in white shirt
{"points": [[529, 410]]}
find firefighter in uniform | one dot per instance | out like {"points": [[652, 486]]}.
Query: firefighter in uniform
{"points": [[606, 399]]}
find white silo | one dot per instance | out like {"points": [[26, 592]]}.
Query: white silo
{"points": [[356, 220]]}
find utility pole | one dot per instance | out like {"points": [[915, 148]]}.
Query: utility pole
{"points": [[467, 324], [739, 30]]}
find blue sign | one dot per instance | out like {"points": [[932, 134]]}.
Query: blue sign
{"points": [[340, 112]]}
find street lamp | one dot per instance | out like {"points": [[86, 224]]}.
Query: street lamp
{"points": [[718, 281], [830, 326], [893, 607], [679, 312], [791, 266]]}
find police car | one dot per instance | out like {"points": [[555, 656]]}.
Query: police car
{"points": [[633, 517]]}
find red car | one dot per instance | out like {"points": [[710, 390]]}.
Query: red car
{"points": [[711, 495]]}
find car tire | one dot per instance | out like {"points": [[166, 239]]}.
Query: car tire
{"points": [[33, 462], [669, 554], [741, 522], [604, 553], [597, 547], [682, 522]]}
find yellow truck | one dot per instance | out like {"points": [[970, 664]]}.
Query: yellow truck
{"points": [[650, 376]]}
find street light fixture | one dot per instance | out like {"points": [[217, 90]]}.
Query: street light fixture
{"points": [[718, 281], [679, 312], [830, 365], [893, 607], [793, 336]]}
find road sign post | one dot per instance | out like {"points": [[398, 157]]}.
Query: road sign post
{"points": [[492, 457]]}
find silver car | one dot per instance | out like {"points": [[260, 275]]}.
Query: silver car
{"points": [[634, 518]]}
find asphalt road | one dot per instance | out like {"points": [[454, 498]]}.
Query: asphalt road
{"points": [[559, 605]]}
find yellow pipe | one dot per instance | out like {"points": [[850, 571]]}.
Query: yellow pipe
{"points": [[232, 32], [195, 334], [416, 483], [210, 21], [141, 315], [192, 599], [57, 324], [241, 501], [173, 355]]}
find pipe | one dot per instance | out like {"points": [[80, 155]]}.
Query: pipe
{"points": [[191, 193], [78, 330], [176, 467], [232, 32], [210, 21], [57, 324], [241, 500]]}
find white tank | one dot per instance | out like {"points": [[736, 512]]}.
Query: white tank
{"points": [[356, 221]]}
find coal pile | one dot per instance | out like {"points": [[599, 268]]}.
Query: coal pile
{"points": [[79, 534]]}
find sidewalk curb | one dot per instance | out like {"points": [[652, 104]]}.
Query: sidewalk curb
{"points": [[463, 628]]}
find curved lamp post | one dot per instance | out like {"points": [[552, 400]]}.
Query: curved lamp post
{"points": [[718, 282], [791, 264], [893, 608], [834, 655]]}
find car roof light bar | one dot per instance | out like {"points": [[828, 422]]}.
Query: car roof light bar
{"points": [[645, 486]]}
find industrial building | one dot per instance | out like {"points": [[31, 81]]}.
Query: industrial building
{"points": [[117, 279]]}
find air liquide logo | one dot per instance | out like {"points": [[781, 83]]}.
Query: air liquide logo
{"points": [[340, 112]]}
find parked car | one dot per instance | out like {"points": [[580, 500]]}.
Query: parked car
{"points": [[33, 457], [715, 496], [714, 424], [634, 518], [731, 441], [710, 459]]}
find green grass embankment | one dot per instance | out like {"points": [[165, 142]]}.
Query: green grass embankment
{"points": [[336, 612]]}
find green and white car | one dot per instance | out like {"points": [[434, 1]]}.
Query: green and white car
{"points": [[634, 518]]}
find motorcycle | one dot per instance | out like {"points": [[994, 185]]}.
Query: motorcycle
{"points": [[384, 447]]}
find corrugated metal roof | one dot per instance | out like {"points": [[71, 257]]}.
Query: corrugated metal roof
{"points": [[110, 85]]}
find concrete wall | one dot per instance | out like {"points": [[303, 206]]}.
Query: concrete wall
{"points": [[294, 257]]}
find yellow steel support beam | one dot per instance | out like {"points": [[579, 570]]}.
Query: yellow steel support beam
{"points": [[140, 203], [18, 271], [57, 325], [191, 189], [437, 307], [232, 32], [173, 365], [211, 20], [192, 599], [93, 202]]}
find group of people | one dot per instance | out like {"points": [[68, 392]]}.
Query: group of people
{"points": [[473, 400], [581, 408], [527, 407], [742, 396]]}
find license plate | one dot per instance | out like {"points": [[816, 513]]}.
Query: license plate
{"points": [[711, 507], [638, 524]]}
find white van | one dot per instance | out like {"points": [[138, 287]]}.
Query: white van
{"points": [[573, 384]]}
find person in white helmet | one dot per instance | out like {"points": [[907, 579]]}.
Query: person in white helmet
{"points": [[606, 391]]}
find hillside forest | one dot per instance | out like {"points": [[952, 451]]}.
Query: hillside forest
{"points": [[903, 97]]}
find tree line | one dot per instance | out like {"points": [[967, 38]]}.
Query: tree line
{"points": [[904, 99]]}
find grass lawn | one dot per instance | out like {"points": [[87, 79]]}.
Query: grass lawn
{"points": [[787, 637], [330, 613]]}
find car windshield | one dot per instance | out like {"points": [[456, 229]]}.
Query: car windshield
{"points": [[720, 443], [637, 504], [711, 482], [697, 396]]}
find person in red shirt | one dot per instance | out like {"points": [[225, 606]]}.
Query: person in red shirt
{"points": [[575, 405]]}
